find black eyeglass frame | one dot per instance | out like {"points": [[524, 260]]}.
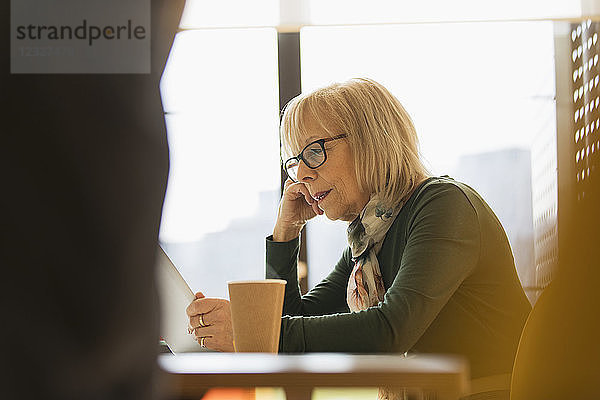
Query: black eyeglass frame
{"points": [[299, 157]]}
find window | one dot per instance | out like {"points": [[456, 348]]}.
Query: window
{"points": [[479, 94], [220, 95]]}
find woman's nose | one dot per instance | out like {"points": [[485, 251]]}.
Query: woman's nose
{"points": [[304, 173]]}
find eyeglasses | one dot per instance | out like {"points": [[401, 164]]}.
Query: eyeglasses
{"points": [[313, 155]]}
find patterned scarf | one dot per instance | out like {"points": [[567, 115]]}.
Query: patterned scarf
{"points": [[365, 237], [365, 286]]}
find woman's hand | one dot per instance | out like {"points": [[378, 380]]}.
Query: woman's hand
{"points": [[295, 208], [216, 318]]}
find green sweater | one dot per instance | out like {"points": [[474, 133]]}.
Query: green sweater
{"points": [[450, 280]]}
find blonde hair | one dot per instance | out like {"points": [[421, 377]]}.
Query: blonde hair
{"points": [[381, 135]]}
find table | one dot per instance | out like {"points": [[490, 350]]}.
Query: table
{"points": [[192, 373]]}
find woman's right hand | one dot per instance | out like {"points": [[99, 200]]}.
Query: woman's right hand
{"points": [[210, 322], [295, 208]]}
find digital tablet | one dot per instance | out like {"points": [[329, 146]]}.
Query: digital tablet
{"points": [[175, 295]]}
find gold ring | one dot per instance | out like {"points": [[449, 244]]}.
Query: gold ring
{"points": [[202, 341], [202, 324]]}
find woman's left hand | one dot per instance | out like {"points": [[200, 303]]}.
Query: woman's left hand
{"points": [[210, 318]]}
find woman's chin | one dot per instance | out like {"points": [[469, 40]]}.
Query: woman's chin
{"points": [[332, 215], [329, 215], [337, 212]]}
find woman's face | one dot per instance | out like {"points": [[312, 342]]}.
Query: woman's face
{"points": [[333, 184]]}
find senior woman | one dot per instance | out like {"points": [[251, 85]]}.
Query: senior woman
{"points": [[428, 267]]}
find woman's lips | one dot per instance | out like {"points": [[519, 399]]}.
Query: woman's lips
{"points": [[321, 195]]}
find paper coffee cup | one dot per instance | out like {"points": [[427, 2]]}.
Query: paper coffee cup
{"points": [[256, 308]]}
